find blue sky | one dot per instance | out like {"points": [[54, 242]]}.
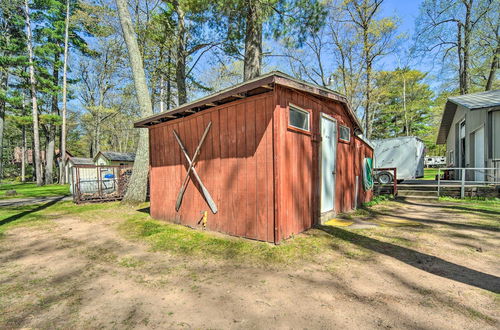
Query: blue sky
{"points": [[406, 10]]}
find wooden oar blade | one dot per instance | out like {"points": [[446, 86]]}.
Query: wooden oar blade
{"points": [[191, 168], [206, 194]]}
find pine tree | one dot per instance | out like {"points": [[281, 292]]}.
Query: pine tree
{"points": [[62, 172], [34, 99], [12, 61], [402, 104]]}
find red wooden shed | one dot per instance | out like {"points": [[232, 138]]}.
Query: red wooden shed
{"points": [[280, 155]]}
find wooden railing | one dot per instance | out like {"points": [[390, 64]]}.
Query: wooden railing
{"points": [[490, 175]]}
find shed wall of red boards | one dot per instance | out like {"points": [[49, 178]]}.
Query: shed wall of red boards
{"points": [[263, 176]]}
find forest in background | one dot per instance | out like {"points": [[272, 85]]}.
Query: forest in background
{"points": [[66, 81]]}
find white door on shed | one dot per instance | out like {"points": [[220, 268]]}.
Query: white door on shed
{"points": [[328, 162], [479, 153]]}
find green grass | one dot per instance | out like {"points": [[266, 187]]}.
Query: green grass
{"points": [[430, 174], [377, 200], [136, 224], [182, 240], [21, 215], [26, 215], [491, 205], [163, 236], [32, 190]]}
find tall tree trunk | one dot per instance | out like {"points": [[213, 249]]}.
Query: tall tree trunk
{"points": [[253, 41], [33, 166], [136, 191], [4, 81], [36, 133], [368, 124], [120, 143], [97, 137], [466, 50], [125, 149], [49, 155], [180, 70], [169, 84], [343, 70], [51, 129], [493, 69], [24, 147], [460, 59], [407, 125], [162, 93], [62, 172], [23, 155]]}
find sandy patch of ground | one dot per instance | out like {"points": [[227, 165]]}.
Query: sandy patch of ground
{"points": [[85, 274]]}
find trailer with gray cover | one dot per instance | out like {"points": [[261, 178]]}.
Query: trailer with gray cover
{"points": [[406, 154]]}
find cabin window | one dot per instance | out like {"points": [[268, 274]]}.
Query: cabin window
{"points": [[345, 133], [299, 118]]}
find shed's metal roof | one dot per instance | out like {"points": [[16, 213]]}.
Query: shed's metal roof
{"points": [[118, 156], [81, 161], [248, 88], [478, 100], [474, 101]]}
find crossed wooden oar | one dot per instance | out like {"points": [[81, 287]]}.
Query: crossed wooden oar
{"points": [[191, 168]]}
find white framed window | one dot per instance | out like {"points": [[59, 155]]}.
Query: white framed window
{"points": [[344, 133], [451, 158], [299, 118]]}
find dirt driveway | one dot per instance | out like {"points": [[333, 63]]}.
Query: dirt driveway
{"points": [[431, 266]]}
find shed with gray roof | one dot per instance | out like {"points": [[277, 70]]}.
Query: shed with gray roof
{"points": [[81, 161], [114, 158]]}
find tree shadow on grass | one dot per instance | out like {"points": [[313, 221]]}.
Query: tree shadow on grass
{"points": [[440, 222], [20, 215], [373, 214], [453, 207], [146, 210], [422, 261]]}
